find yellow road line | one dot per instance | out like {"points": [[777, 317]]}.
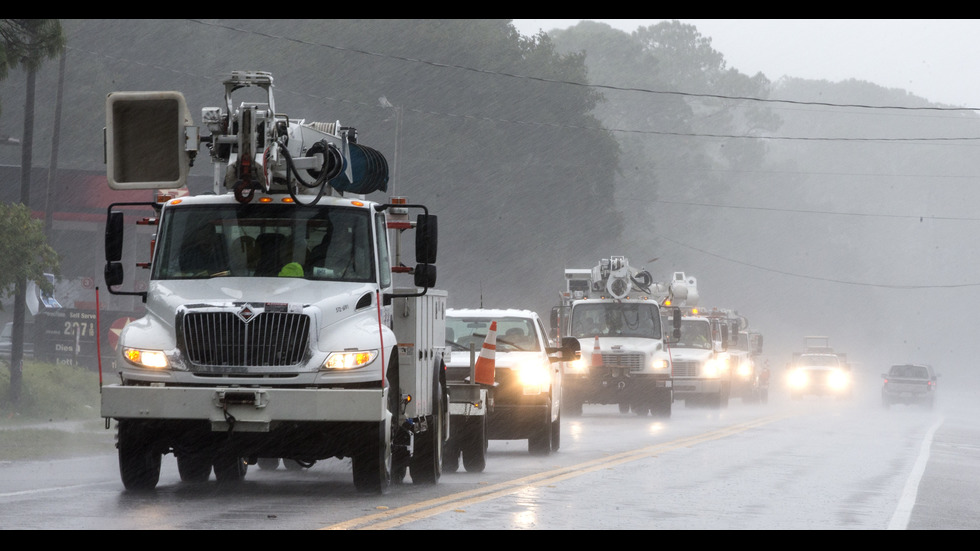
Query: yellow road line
{"points": [[424, 509]]}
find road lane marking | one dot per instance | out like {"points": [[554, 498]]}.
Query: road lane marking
{"points": [[900, 520], [399, 516]]}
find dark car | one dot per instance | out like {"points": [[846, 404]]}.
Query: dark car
{"points": [[7, 341], [909, 384]]}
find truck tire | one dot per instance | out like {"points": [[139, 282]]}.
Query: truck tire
{"points": [[139, 463], [640, 409], [572, 406], [371, 461], [475, 444], [229, 469], [194, 467], [556, 433], [539, 441], [625, 407], [426, 463], [661, 405], [454, 446], [264, 463]]}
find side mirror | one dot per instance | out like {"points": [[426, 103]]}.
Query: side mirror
{"points": [[113, 274], [426, 239], [114, 236], [425, 275]]}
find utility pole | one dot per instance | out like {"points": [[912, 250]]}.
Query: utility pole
{"points": [[55, 137]]}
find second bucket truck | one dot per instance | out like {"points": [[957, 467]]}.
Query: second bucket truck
{"points": [[614, 312]]}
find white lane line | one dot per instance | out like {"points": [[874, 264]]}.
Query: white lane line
{"points": [[900, 520]]}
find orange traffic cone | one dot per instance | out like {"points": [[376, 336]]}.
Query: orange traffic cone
{"points": [[486, 361], [596, 354]]}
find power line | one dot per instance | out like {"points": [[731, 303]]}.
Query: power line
{"points": [[828, 279], [573, 83], [920, 217]]}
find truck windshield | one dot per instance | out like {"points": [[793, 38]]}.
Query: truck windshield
{"points": [[695, 333], [616, 319], [258, 240]]}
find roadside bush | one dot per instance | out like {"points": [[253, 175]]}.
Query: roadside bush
{"points": [[50, 392]]}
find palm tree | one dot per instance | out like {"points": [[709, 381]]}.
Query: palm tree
{"points": [[25, 43]]}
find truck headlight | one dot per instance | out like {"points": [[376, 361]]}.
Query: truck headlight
{"points": [[660, 364], [534, 377], [151, 359], [713, 368], [577, 367], [350, 359], [744, 369]]}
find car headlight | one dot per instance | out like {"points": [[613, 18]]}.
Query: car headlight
{"points": [[350, 359], [798, 379], [535, 378], [151, 359], [838, 379]]}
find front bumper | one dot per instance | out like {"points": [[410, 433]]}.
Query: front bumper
{"points": [[609, 389], [247, 409], [685, 387]]}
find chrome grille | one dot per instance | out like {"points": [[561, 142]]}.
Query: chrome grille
{"points": [[632, 361], [217, 339], [682, 368]]}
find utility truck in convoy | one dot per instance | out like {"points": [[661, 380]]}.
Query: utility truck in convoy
{"points": [[750, 382], [274, 328], [698, 347], [612, 315]]}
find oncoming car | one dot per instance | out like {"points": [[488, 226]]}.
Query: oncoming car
{"points": [[820, 375], [909, 384], [526, 398]]}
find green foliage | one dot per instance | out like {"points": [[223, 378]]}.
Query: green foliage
{"points": [[26, 43], [24, 251], [51, 392]]}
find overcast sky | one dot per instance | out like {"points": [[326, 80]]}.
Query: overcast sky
{"points": [[937, 59]]}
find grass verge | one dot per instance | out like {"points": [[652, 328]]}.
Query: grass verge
{"points": [[56, 415]]}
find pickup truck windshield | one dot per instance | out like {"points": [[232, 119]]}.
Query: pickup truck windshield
{"points": [[315, 242]]}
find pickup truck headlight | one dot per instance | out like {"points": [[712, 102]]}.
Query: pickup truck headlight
{"points": [[798, 379], [535, 377], [150, 359], [838, 379], [350, 359]]}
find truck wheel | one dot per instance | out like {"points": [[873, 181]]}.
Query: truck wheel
{"points": [[229, 468], [371, 461], [265, 463], [624, 407], [572, 406], [453, 448], [475, 446], [193, 467], [661, 406], [539, 442], [764, 395], [640, 408], [426, 463], [556, 433], [139, 463]]}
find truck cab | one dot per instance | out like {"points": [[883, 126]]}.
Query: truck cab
{"points": [[701, 365]]}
